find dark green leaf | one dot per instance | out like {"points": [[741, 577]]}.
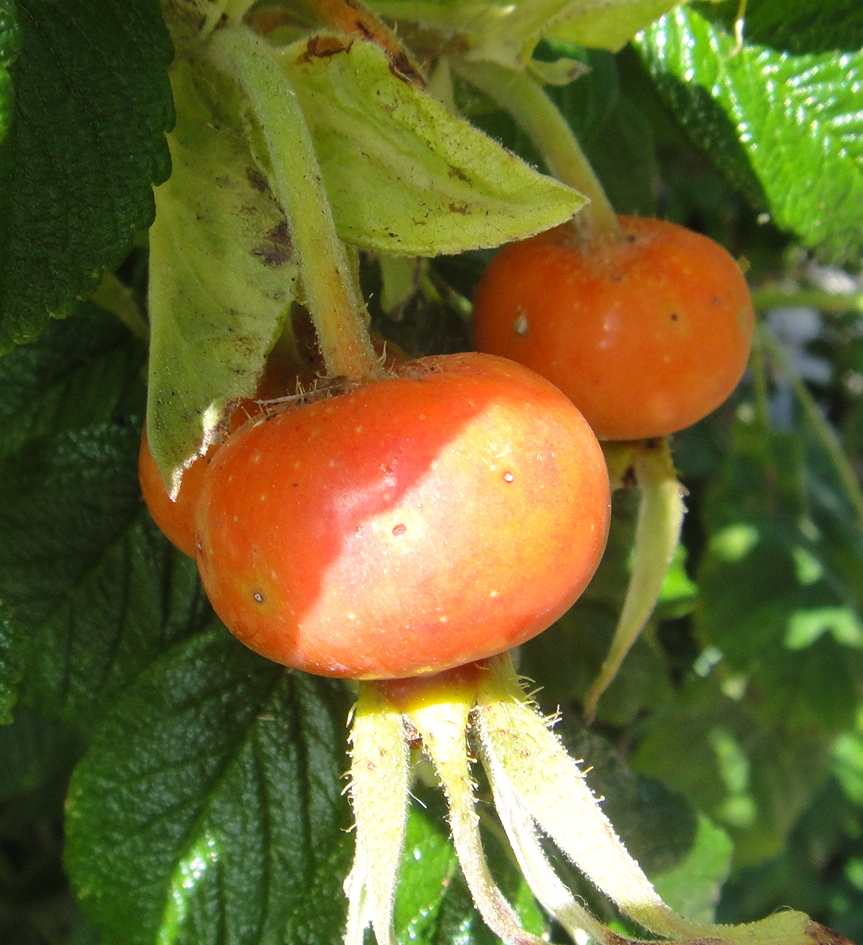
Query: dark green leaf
{"points": [[10, 37], [429, 868], [692, 886], [12, 651], [209, 807], [97, 589], [657, 825], [78, 372], [566, 659], [86, 143], [786, 128], [36, 752]]}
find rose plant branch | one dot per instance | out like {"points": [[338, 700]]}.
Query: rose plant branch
{"points": [[330, 286]]}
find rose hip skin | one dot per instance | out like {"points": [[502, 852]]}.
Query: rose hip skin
{"points": [[444, 514], [298, 367], [647, 332]]}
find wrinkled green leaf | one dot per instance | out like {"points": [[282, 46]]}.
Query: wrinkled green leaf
{"points": [[209, 806], [787, 129], [12, 650], [91, 105], [448, 187], [222, 270], [77, 373], [10, 36], [429, 868], [97, 589]]}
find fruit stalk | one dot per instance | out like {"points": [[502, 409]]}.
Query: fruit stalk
{"points": [[330, 287]]}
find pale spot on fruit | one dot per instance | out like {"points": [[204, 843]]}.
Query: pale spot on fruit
{"points": [[508, 477], [358, 429], [256, 458], [259, 597], [520, 326], [443, 619], [492, 594]]}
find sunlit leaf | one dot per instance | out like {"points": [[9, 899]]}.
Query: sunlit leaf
{"points": [[211, 799], [448, 187], [785, 127], [222, 270]]}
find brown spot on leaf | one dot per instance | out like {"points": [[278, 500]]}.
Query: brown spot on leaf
{"points": [[257, 180], [277, 248]]}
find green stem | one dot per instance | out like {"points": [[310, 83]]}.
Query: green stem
{"points": [[768, 297], [520, 95], [333, 297], [821, 427], [117, 298], [762, 400], [657, 533], [216, 14]]}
